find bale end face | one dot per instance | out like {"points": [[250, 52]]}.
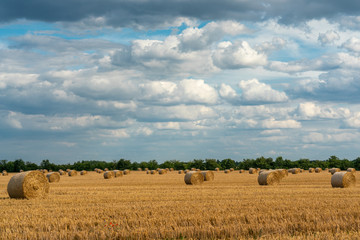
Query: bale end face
{"points": [[53, 177], [269, 177], [208, 175]]}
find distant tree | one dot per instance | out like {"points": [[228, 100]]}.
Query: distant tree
{"points": [[334, 162], [265, 163], [228, 163], [167, 164], [135, 166], [211, 164], [153, 164], [19, 164], [123, 164], [196, 163], [143, 165]]}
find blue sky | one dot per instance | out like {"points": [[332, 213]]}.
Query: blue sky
{"points": [[182, 80]]}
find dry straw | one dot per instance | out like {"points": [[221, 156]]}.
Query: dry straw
{"points": [[334, 170], [152, 172], [253, 171], [241, 171], [208, 175], [83, 172], [181, 171], [217, 169], [126, 172], [162, 171], [343, 179], [231, 169], [53, 177], [318, 170], [146, 169], [72, 173], [31, 184], [282, 172], [311, 170], [193, 178], [352, 170], [270, 177], [139, 169], [227, 171], [118, 173], [108, 174], [295, 170], [171, 169], [4, 173], [106, 169]]}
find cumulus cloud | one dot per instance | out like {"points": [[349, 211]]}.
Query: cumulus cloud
{"points": [[238, 55], [328, 37], [273, 123], [352, 44], [254, 91], [309, 110]]}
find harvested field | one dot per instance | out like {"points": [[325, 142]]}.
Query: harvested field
{"points": [[144, 206]]}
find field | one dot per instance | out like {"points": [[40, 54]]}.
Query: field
{"points": [[141, 206]]}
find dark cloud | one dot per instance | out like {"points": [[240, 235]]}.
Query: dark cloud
{"points": [[155, 12]]}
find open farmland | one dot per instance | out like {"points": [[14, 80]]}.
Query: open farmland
{"points": [[144, 206]]}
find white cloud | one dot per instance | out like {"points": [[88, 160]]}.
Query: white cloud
{"points": [[352, 44], [238, 55], [254, 91], [273, 123], [328, 37], [310, 110], [227, 91]]}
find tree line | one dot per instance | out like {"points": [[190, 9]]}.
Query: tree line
{"points": [[208, 164]]}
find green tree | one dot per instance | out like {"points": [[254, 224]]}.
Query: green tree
{"points": [[123, 164], [228, 163], [211, 164], [153, 164], [19, 164]]}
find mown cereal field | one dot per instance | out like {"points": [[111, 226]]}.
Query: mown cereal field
{"points": [[144, 206]]}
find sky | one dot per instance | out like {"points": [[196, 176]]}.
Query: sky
{"points": [[181, 79]]}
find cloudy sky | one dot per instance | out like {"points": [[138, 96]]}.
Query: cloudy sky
{"points": [[182, 79]]}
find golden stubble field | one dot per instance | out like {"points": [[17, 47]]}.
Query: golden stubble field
{"points": [[142, 206]]}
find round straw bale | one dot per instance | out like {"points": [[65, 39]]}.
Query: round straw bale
{"points": [[343, 179], [68, 170], [186, 171], [30, 184], [208, 175], [167, 169], [61, 172], [252, 171], [301, 170], [4, 173], [153, 172], [181, 171], [171, 169], [193, 169], [95, 169], [21, 170], [241, 171], [282, 172], [53, 177], [139, 169], [100, 171], [295, 170], [352, 170], [262, 170], [318, 170], [44, 171], [231, 169], [72, 173], [193, 178], [334, 170], [106, 169], [108, 174], [126, 172], [258, 169], [311, 170], [270, 177], [226, 171], [118, 173], [146, 169], [217, 169], [83, 172], [162, 171]]}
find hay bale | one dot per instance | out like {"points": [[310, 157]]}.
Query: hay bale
{"points": [[139, 169], [227, 171], [118, 173], [311, 170], [106, 169], [186, 171], [282, 172], [231, 169], [4, 173], [61, 172], [334, 170], [44, 171], [99, 171], [352, 170], [53, 177], [241, 171], [343, 180], [262, 170], [217, 169], [72, 173], [83, 172], [108, 174], [301, 170], [146, 169], [153, 172], [318, 170], [295, 170], [270, 177], [30, 184], [181, 171], [193, 178], [253, 170], [208, 175], [21, 170], [68, 170], [162, 171], [171, 169], [126, 172], [193, 169]]}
